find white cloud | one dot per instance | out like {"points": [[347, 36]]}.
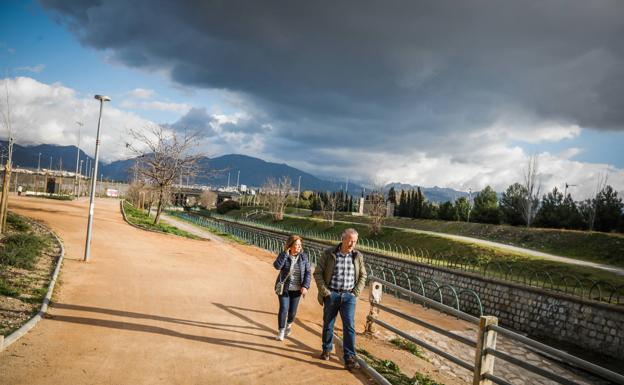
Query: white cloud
{"points": [[180, 108], [141, 93], [36, 69], [42, 113]]}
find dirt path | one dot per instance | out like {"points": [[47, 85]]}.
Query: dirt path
{"points": [[188, 227], [159, 309]]}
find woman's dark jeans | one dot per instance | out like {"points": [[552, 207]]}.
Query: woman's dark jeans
{"points": [[288, 303]]}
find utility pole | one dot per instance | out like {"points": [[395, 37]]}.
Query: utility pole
{"points": [[469, 203], [80, 124], [39, 163], [228, 185], [80, 171], [298, 192], [237, 179]]}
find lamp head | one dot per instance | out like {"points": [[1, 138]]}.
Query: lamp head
{"points": [[102, 98]]}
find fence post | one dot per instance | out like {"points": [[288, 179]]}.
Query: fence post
{"points": [[484, 363], [376, 291]]}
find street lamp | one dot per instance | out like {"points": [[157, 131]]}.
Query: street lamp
{"points": [[102, 99], [80, 124]]}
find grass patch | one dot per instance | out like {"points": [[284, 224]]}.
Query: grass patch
{"points": [[411, 347], [205, 228], [17, 223], [21, 250], [391, 371], [583, 245], [6, 289], [141, 219]]}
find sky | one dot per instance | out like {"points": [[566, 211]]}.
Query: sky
{"points": [[444, 93]]}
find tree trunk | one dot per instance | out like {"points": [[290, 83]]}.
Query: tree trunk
{"points": [[5, 197], [161, 195]]}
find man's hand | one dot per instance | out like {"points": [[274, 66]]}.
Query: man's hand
{"points": [[304, 291]]}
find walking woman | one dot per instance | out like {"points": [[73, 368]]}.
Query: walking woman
{"points": [[291, 284]]}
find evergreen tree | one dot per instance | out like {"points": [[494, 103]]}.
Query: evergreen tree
{"points": [[403, 204], [392, 196], [462, 207], [447, 212], [485, 208], [511, 204], [608, 209], [550, 212]]}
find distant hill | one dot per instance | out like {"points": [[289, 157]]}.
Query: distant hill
{"points": [[213, 171], [253, 171], [433, 194], [52, 156]]}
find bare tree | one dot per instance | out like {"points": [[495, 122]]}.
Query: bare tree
{"points": [[377, 209], [329, 209], [208, 199], [276, 194], [167, 154], [601, 183], [532, 189]]}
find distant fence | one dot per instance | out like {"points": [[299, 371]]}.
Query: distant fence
{"points": [[594, 290]]}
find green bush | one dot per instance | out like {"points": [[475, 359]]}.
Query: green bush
{"points": [[6, 289], [17, 223], [226, 206], [411, 347], [21, 250]]}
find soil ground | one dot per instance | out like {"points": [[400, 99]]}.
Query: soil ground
{"points": [[153, 308]]}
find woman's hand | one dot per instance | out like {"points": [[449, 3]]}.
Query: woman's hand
{"points": [[304, 291]]}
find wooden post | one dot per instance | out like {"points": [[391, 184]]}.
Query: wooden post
{"points": [[376, 291], [484, 363]]}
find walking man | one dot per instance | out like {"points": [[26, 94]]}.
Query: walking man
{"points": [[340, 277]]}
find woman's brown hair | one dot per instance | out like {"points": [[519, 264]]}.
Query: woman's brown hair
{"points": [[291, 241]]}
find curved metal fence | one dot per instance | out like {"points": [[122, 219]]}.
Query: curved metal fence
{"points": [[438, 291], [595, 290]]}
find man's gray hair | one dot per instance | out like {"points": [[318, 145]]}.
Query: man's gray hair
{"points": [[349, 231]]}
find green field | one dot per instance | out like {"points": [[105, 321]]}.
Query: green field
{"points": [[141, 219], [583, 245]]}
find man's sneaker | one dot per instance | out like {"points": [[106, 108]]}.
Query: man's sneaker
{"points": [[288, 329], [351, 363], [325, 355], [280, 335]]}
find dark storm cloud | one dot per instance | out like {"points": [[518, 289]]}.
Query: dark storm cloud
{"points": [[377, 71]]}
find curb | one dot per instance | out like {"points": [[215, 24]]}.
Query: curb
{"points": [[11, 338], [123, 214]]}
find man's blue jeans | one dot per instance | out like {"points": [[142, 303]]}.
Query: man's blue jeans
{"points": [[343, 303], [288, 303]]}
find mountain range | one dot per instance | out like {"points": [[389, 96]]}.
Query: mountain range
{"points": [[212, 171]]}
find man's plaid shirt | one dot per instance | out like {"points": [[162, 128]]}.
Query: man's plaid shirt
{"points": [[343, 277]]}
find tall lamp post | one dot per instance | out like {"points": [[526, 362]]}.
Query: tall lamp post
{"points": [[102, 99], [80, 124]]}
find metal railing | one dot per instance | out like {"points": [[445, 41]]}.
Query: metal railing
{"points": [[465, 300], [484, 345], [582, 287]]}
